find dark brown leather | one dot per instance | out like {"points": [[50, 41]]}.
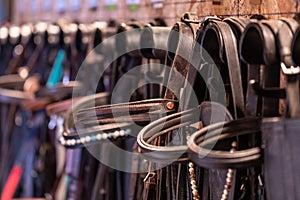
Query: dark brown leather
{"points": [[225, 51], [202, 139], [153, 42], [10, 86], [205, 113], [263, 52], [60, 107]]}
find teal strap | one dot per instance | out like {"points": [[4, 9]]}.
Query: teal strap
{"points": [[57, 69]]}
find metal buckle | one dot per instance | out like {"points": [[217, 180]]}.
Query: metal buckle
{"points": [[290, 71]]}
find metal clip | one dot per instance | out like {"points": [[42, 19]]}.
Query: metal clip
{"points": [[260, 180], [149, 175], [290, 71]]}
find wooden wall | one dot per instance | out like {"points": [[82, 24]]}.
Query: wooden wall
{"points": [[171, 10]]}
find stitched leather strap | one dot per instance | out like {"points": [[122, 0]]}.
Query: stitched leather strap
{"points": [[222, 36], [111, 117], [238, 26], [181, 41], [80, 104]]}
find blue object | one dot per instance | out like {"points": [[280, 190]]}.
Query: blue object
{"points": [[3, 10], [57, 69]]}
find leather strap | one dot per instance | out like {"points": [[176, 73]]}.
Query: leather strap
{"points": [[270, 31], [179, 66], [163, 154], [108, 123], [210, 158], [153, 42], [154, 46], [60, 107], [225, 51], [258, 47], [129, 40], [122, 109], [174, 188], [16, 60], [144, 107], [285, 37], [180, 46], [9, 95], [296, 47], [238, 26], [80, 104]]}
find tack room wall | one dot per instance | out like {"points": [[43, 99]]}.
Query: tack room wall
{"points": [[171, 10]]}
